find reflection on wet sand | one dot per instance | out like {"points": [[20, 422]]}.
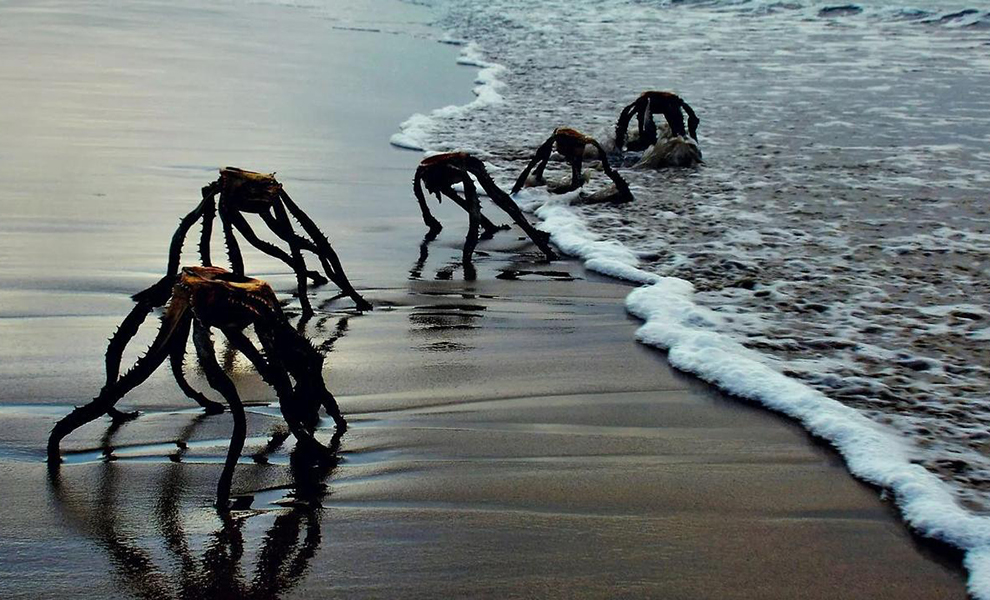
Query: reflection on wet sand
{"points": [[221, 568], [441, 323], [447, 271]]}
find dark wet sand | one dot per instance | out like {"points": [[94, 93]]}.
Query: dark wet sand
{"points": [[509, 438]]}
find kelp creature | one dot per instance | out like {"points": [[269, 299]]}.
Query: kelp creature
{"points": [[571, 144], [204, 298], [440, 173], [248, 192], [651, 103]]}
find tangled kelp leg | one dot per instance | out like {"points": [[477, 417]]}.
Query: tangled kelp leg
{"points": [[300, 270], [539, 160], [503, 201], [474, 219], [428, 218], [283, 228], [290, 403], [125, 333], [177, 359], [221, 382], [285, 233], [540, 238], [305, 363], [241, 224], [206, 233], [230, 240], [620, 184], [175, 322], [296, 261], [576, 179], [489, 229], [326, 252]]}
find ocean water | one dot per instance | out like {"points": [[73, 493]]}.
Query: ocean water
{"points": [[830, 259]]}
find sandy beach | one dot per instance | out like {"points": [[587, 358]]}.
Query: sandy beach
{"points": [[508, 438]]}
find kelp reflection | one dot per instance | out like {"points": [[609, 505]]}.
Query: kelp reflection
{"points": [[169, 555]]}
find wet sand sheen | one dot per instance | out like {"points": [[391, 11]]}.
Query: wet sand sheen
{"points": [[509, 438]]}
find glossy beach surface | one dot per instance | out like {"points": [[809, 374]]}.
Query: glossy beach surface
{"points": [[509, 437]]}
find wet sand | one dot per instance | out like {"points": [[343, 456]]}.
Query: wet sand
{"points": [[509, 438]]}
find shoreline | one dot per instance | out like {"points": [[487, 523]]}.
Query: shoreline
{"points": [[510, 437]]}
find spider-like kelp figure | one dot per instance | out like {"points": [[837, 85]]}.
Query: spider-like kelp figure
{"points": [[570, 144], [242, 192], [650, 103], [204, 298], [441, 172]]}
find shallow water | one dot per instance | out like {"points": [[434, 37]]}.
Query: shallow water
{"points": [[839, 224]]}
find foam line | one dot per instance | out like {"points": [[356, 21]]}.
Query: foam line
{"points": [[689, 333]]}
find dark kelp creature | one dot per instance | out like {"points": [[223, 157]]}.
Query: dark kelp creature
{"points": [[570, 144], [441, 172], [242, 192], [651, 103], [204, 298]]}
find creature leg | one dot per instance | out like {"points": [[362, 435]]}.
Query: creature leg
{"points": [[620, 183], [172, 323], [288, 235], [539, 161], [325, 253], [241, 224], [233, 249], [125, 332], [428, 218], [540, 238], [503, 201], [645, 127], [676, 121], [490, 229], [206, 234], [278, 378], [474, 218], [177, 361], [300, 270], [113, 361], [576, 180], [222, 383], [622, 125], [175, 248], [296, 261], [305, 363], [299, 263], [540, 168], [163, 287]]}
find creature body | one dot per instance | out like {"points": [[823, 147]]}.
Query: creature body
{"points": [[439, 173], [242, 192], [204, 298], [571, 144], [651, 103]]}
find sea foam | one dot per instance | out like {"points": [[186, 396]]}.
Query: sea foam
{"points": [[674, 322]]}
